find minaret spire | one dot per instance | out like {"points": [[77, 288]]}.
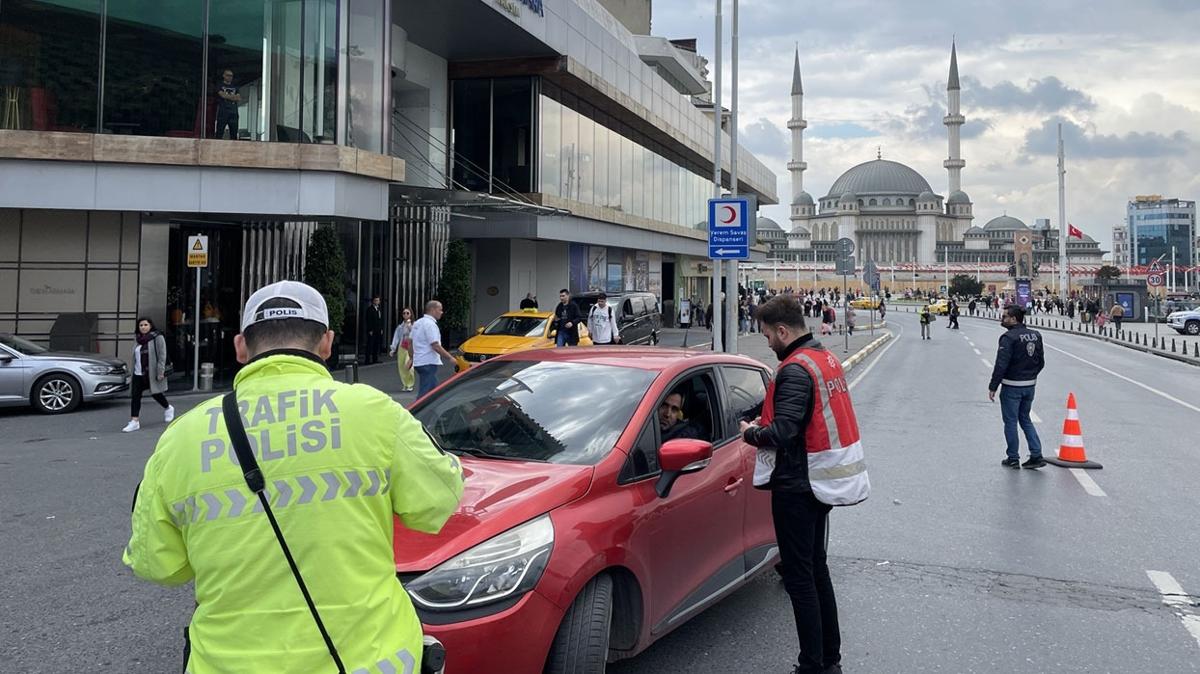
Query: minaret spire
{"points": [[802, 203], [954, 121]]}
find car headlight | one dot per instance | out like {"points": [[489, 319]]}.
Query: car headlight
{"points": [[97, 369], [506, 565]]}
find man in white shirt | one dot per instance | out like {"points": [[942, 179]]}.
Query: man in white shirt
{"points": [[427, 348], [602, 323]]}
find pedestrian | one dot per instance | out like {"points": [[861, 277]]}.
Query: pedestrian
{"points": [[926, 318], [1071, 309], [882, 309], [601, 324], [1117, 313], [566, 320], [806, 419], [194, 517], [1019, 359], [149, 373], [228, 99], [373, 320], [850, 318], [828, 318], [427, 347], [708, 312], [953, 315], [402, 348], [530, 302], [971, 307]]}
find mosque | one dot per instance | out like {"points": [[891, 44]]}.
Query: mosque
{"points": [[892, 213]]}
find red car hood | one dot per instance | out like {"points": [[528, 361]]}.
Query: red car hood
{"points": [[498, 495]]}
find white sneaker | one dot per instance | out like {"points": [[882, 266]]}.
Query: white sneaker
{"points": [[133, 425], [169, 413]]}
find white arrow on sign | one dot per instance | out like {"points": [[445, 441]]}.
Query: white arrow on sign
{"points": [[723, 251]]}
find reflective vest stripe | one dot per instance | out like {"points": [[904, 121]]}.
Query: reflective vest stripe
{"points": [[284, 493]]}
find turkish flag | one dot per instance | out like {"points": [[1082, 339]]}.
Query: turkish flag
{"points": [[1074, 231]]}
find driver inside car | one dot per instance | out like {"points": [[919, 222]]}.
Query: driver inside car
{"points": [[671, 420]]}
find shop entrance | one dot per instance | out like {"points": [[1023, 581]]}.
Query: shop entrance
{"points": [[220, 300]]}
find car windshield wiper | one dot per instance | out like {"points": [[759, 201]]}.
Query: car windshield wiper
{"points": [[484, 454]]}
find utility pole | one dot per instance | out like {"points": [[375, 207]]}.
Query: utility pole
{"points": [[718, 309], [731, 325], [1064, 282]]}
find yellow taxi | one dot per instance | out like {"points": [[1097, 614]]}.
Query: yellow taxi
{"points": [[512, 331], [865, 303], [940, 307]]}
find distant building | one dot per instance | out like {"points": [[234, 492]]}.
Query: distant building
{"points": [[1120, 243], [1156, 225]]}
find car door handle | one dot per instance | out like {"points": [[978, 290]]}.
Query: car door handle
{"points": [[733, 485]]}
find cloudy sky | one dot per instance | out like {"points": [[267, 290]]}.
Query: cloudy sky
{"points": [[1122, 77]]}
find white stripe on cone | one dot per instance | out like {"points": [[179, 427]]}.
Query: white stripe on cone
{"points": [[1072, 414], [1072, 441]]}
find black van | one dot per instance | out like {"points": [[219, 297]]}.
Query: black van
{"points": [[637, 314]]}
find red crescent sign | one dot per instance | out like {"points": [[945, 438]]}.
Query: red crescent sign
{"points": [[732, 214]]}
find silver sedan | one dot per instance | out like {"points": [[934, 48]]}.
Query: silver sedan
{"points": [[54, 382]]}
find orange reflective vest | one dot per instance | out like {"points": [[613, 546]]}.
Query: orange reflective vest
{"points": [[837, 471]]}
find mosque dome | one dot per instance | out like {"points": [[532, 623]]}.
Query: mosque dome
{"points": [[958, 197], [1004, 223], [880, 176], [803, 199]]}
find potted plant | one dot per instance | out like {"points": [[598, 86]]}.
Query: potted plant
{"points": [[454, 292], [325, 270]]}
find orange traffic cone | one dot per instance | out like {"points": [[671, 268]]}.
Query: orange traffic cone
{"points": [[1070, 451]]}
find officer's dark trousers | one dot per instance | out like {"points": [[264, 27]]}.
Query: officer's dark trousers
{"points": [[801, 523]]}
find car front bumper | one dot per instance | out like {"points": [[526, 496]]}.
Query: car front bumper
{"points": [[515, 640], [102, 387]]}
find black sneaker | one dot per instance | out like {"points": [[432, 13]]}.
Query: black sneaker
{"points": [[1011, 463], [1034, 462]]}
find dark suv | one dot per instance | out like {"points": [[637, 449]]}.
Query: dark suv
{"points": [[637, 314]]}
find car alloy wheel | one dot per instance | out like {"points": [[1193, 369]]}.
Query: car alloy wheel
{"points": [[55, 394], [1192, 328]]}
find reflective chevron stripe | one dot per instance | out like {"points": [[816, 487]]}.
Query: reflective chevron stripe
{"points": [[284, 493], [408, 665]]}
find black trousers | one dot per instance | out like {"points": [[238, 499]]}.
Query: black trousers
{"points": [[801, 525], [139, 384], [374, 346], [226, 121]]}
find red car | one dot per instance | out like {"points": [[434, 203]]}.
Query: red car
{"points": [[582, 537]]}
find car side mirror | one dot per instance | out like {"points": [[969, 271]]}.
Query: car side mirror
{"points": [[479, 331], [678, 457], [5, 358]]}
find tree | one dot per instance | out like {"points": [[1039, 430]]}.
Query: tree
{"points": [[325, 270], [965, 286], [454, 291], [1108, 273]]}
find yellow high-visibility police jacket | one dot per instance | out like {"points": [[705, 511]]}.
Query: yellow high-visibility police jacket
{"points": [[338, 460]]}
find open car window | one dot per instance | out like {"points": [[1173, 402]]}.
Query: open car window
{"points": [[517, 326], [559, 412]]}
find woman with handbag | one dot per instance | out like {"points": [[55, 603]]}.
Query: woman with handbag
{"points": [[149, 373], [402, 345]]}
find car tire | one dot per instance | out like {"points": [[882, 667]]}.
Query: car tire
{"points": [[1192, 328], [581, 643], [55, 394]]}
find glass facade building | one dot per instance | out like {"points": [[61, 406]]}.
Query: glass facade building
{"points": [[267, 71], [1157, 225]]}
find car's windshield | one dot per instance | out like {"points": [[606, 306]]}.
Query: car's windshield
{"points": [[23, 346], [517, 326], [560, 412]]}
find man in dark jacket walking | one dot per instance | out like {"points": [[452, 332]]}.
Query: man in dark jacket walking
{"points": [[801, 521], [1019, 359], [566, 320]]}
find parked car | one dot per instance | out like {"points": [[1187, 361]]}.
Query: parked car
{"points": [[1185, 322], [512, 331], [577, 540], [637, 314], [54, 382]]}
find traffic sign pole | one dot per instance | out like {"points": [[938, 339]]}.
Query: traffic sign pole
{"points": [[197, 257]]}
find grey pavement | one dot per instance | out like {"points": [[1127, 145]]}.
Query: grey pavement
{"points": [[953, 565]]}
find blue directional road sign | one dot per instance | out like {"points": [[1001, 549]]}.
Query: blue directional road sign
{"points": [[729, 228]]}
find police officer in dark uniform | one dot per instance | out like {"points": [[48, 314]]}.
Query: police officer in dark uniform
{"points": [[1019, 359]]}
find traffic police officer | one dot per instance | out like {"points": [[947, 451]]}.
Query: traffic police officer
{"points": [[340, 461]]}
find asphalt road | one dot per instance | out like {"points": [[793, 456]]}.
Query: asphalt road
{"points": [[954, 565]]}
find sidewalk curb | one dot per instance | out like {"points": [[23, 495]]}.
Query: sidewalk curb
{"points": [[1116, 342], [853, 361]]}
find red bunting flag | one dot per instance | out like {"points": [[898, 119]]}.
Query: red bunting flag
{"points": [[1074, 232]]}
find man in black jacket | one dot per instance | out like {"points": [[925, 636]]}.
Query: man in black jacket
{"points": [[1019, 359], [801, 521], [566, 320], [373, 319]]}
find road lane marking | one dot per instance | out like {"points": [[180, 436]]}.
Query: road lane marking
{"points": [[1174, 596], [878, 357], [978, 352], [1135, 382], [1034, 416], [1089, 485], [986, 362]]}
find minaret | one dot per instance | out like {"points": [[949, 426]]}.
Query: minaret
{"points": [[954, 121], [802, 202]]}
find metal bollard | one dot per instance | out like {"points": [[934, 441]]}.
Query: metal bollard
{"points": [[351, 373], [206, 376], [1172, 342]]}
